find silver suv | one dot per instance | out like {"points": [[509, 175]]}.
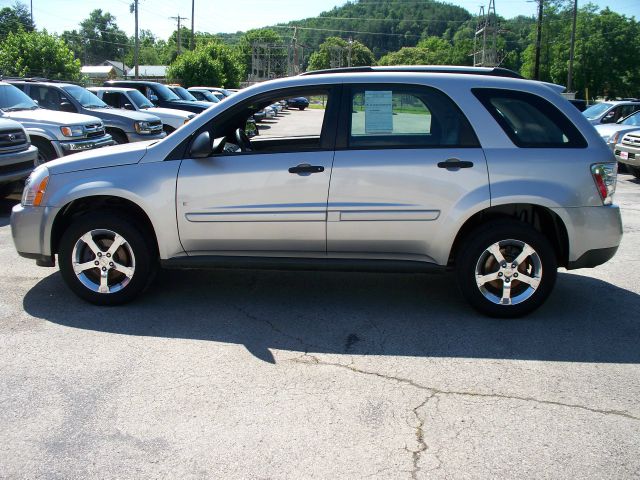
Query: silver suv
{"points": [[497, 178]]}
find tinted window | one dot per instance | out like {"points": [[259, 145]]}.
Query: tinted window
{"points": [[112, 99], [632, 120], [594, 111], [47, 97], [530, 121], [84, 97], [397, 116]]}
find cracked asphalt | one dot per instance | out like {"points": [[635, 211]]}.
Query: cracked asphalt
{"points": [[301, 375]]}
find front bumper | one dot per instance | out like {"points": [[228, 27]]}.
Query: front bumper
{"points": [[31, 231], [136, 137], [18, 166], [632, 154], [74, 146]]}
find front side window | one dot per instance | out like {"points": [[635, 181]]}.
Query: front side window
{"points": [[529, 120], [113, 99], [398, 116], [162, 92], [139, 99], [632, 120]]}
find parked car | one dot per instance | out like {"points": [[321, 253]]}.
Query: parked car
{"points": [[299, 102], [628, 152], [160, 95], [17, 156], [612, 133], [55, 134], [203, 95], [185, 94], [220, 93], [123, 126], [132, 99], [611, 111], [499, 179]]}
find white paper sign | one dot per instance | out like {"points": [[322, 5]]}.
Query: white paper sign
{"points": [[378, 112]]}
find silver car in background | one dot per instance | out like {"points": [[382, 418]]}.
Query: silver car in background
{"points": [[498, 179]]}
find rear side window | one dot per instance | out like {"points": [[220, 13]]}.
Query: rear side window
{"points": [[112, 98], [406, 116], [530, 121]]}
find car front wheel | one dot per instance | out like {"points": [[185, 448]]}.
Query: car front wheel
{"points": [[106, 259], [506, 269]]}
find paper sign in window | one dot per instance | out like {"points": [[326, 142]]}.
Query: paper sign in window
{"points": [[378, 112]]}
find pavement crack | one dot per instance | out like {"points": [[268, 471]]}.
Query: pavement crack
{"points": [[436, 391], [419, 433]]}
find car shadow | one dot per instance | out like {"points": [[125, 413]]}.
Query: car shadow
{"points": [[585, 319], [6, 204]]}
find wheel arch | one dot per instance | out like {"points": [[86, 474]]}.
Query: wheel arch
{"points": [[111, 203], [117, 131], [542, 218]]}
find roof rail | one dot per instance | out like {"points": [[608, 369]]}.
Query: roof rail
{"points": [[491, 71], [36, 79]]}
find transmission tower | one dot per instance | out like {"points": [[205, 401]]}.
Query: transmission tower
{"points": [[485, 41]]}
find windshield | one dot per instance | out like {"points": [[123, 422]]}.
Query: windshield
{"points": [[139, 99], [12, 99], [633, 119], [594, 111], [184, 94], [164, 93], [84, 97]]}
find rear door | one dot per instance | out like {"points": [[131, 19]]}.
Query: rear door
{"points": [[408, 163]]}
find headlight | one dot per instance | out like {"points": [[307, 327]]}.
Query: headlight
{"points": [[72, 131], [143, 128], [35, 186]]}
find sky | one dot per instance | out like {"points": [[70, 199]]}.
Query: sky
{"points": [[239, 15]]}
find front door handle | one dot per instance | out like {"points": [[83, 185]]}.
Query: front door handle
{"points": [[455, 164], [306, 169]]}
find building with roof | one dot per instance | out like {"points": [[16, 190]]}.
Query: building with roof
{"points": [[149, 71], [99, 73], [121, 68]]}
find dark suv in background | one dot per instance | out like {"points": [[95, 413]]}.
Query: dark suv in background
{"points": [[160, 95]]}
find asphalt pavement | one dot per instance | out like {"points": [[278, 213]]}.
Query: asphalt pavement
{"points": [[300, 375]]}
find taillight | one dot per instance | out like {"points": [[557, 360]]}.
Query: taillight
{"points": [[604, 174]]}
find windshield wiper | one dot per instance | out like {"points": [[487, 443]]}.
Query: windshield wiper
{"points": [[15, 109], [96, 106]]}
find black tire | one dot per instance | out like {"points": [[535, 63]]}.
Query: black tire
{"points": [[301, 108], [510, 236], [7, 189], [118, 136], [143, 261], [168, 129], [46, 152], [635, 171]]}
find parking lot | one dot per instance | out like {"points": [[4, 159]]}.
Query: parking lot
{"points": [[270, 375]]}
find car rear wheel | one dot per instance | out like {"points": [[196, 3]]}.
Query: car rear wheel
{"points": [[106, 259], [506, 269]]}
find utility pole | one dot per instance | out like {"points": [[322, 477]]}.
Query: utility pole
{"points": [[536, 67], [179, 18], [193, 16], [31, 12], [137, 42], [350, 45], [572, 47]]}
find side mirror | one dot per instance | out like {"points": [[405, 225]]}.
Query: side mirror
{"points": [[67, 107], [128, 106], [201, 146], [153, 98]]}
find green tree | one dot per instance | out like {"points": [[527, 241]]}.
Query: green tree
{"points": [[430, 51], [98, 38], [14, 19], [30, 54], [336, 50], [213, 64]]}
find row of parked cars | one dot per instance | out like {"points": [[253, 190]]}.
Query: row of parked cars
{"points": [[618, 123], [42, 120]]}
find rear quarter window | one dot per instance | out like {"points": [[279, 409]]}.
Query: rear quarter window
{"points": [[529, 120]]}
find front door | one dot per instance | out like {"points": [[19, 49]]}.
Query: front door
{"points": [[269, 199]]}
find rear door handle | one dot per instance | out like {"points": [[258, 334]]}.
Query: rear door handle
{"points": [[455, 164], [306, 169]]}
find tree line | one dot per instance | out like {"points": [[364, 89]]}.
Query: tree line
{"points": [[365, 32]]}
